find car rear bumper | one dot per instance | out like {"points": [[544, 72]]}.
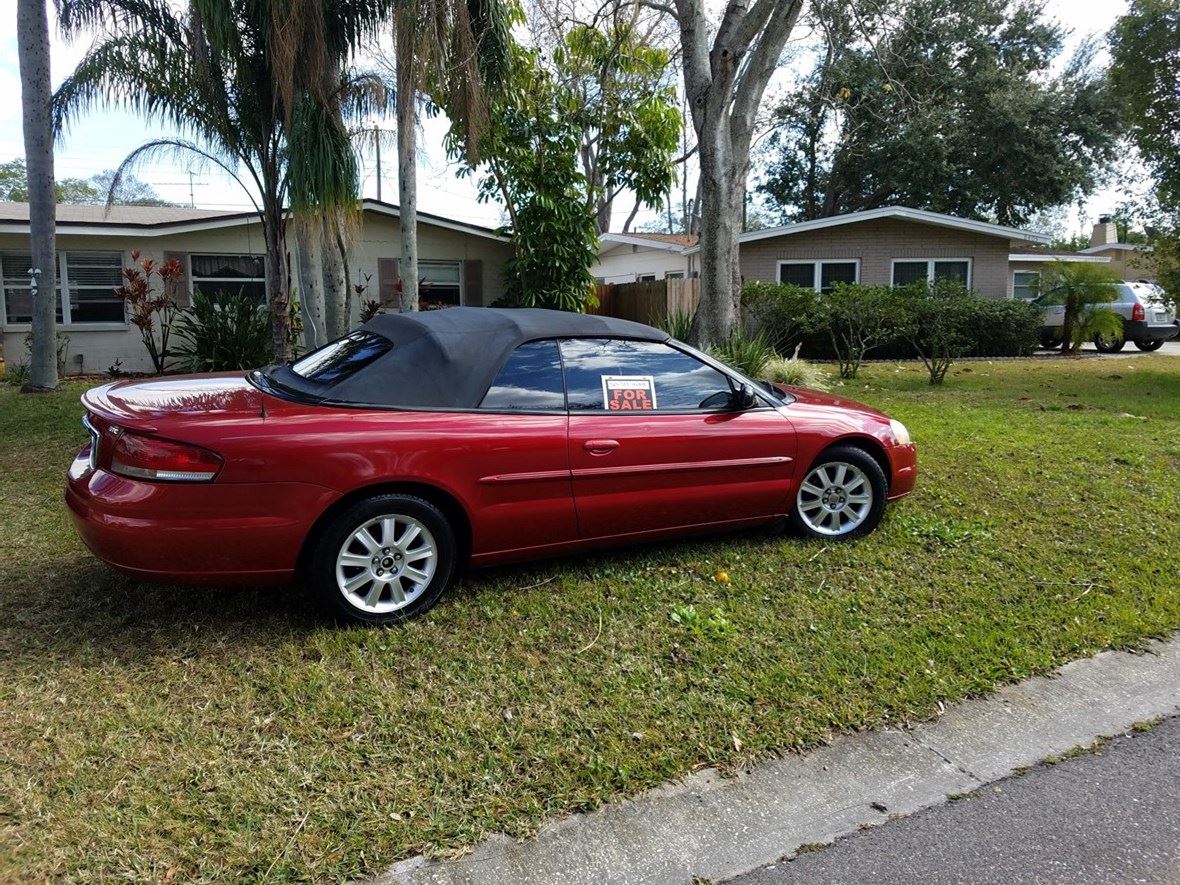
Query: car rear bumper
{"points": [[904, 461], [206, 533], [1141, 331]]}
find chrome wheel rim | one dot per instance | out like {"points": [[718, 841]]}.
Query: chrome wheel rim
{"points": [[835, 498], [386, 563]]}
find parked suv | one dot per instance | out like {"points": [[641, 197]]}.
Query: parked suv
{"points": [[1148, 319]]}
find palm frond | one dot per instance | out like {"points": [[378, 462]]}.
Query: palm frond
{"points": [[174, 149]]}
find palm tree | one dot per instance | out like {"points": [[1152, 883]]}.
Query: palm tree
{"points": [[451, 50], [32, 26], [1081, 288], [213, 72]]}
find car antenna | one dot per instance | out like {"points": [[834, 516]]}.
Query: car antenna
{"points": [[263, 412]]}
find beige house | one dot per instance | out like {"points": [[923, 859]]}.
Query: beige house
{"points": [[892, 245], [219, 251], [1129, 261]]}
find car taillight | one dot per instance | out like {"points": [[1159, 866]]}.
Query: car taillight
{"points": [[143, 457], [1137, 313]]}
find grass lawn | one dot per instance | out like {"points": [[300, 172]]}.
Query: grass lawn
{"points": [[155, 733]]}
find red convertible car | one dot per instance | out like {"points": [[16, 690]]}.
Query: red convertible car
{"points": [[379, 464]]}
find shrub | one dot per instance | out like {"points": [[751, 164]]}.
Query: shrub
{"points": [[678, 324], [1003, 328], [781, 314], [933, 320], [856, 319], [796, 372], [748, 355], [145, 306], [232, 333]]}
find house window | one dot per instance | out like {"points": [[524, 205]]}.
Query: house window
{"points": [[646, 278], [439, 284], [917, 270], [674, 275], [221, 275], [1024, 284], [822, 276], [88, 278]]}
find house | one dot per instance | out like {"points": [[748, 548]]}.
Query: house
{"points": [[459, 263], [642, 257], [891, 245], [1129, 261]]}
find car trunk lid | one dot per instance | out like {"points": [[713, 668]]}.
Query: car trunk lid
{"points": [[149, 403]]}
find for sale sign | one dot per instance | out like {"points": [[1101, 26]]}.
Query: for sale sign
{"points": [[628, 393]]}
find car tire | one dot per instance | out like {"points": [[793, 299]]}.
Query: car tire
{"points": [[1150, 345], [1048, 342], [1106, 345], [830, 501], [383, 560]]}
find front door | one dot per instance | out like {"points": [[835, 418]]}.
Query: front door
{"points": [[653, 445]]}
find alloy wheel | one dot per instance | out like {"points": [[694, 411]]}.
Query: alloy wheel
{"points": [[835, 498], [386, 563]]}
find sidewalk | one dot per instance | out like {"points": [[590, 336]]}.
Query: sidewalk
{"points": [[716, 828]]}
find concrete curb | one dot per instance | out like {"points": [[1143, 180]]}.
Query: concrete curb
{"points": [[715, 828]]}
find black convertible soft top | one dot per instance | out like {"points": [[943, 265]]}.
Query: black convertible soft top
{"points": [[444, 359]]}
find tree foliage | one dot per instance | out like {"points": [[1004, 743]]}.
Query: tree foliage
{"points": [[1082, 289], [529, 162], [948, 105], [93, 191]]}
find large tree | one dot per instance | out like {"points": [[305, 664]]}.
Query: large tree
{"points": [[95, 190], [32, 33], [211, 72], [726, 71], [949, 105]]}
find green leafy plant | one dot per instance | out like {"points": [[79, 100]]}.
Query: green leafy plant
{"points": [[796, 372], [933, 318], [146, 305], [231, 333], [714, 625], [781, 314], [1093, 321], [856, 319], [678, 324], [1079, 287], [748, 355]]}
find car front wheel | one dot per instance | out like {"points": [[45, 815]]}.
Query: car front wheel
{"points": [[842, 496], [1152, 344], [383, 560], [1107, 344]]}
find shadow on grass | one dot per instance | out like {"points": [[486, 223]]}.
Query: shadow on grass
{"points": [[78, 610]]}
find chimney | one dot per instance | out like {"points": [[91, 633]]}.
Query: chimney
{"points": [[1105, 232]]}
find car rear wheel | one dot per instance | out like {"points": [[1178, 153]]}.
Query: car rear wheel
{"points": [[383, 560], [842, 496], [1106, 344], [1150, 345], [1048, 342]]}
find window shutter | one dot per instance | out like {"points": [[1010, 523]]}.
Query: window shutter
{"points": [[473, 283], [184, 286], [387, 278]]}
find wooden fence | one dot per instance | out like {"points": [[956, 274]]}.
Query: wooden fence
{"points": [[648, 302]]}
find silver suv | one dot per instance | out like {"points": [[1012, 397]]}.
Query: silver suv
{"points": [[1148, 319]]}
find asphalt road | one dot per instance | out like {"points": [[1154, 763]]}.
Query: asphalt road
{"points": [[1113, 817]]}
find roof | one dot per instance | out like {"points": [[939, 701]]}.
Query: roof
{"points": [[447, 359], [148, 221], [1118, 247], [1058, 256], [922, 216], [668, 242]]}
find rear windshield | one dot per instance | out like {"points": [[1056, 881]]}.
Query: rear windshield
{"points": [[341, 358]]}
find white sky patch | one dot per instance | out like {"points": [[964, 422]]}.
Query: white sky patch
{"points": [[102, 138]]}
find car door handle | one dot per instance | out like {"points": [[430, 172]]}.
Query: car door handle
{"points": [[600, 446]]}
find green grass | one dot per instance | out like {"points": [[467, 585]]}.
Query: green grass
{"points": [[150, 732]]}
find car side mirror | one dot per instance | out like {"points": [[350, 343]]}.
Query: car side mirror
{"points": [[742, 398]]}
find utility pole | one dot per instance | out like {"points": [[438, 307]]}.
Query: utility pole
{"points": [[377, 142], [192, 203]]}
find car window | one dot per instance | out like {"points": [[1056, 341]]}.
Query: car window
{"points": [[614, 375], [531, 379], [341, 358]]}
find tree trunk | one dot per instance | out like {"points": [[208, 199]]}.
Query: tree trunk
{"points": [[723, 183], [407, 169], [335, 286], [32, 25], [311, 282], [277, 286]]}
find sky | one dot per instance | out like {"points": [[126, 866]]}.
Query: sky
{"points": [[103, 137]]}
